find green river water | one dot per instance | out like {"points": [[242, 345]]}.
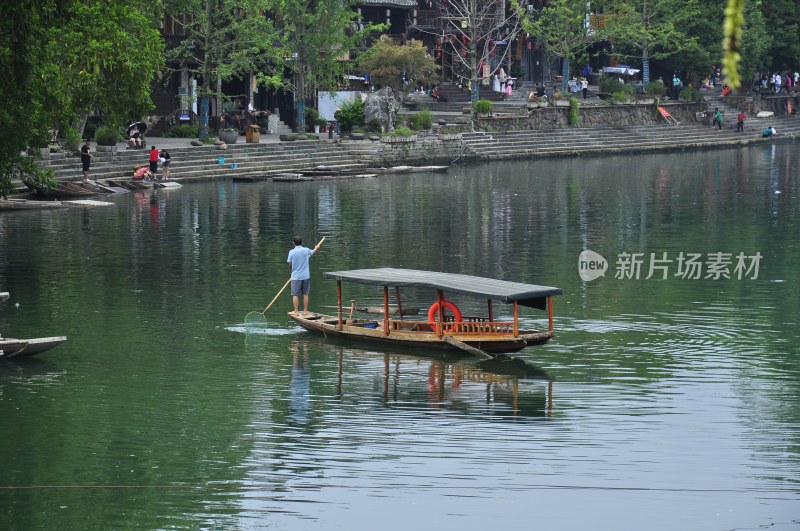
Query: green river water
{"points": [[668, 400]]}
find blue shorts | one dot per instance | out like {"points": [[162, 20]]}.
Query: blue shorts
{"points": [[301, 287]]}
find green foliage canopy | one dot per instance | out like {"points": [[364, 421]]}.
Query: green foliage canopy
{"points": [[62, 59], [386, 62]]}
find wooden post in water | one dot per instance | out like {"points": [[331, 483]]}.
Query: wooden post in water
{"points": [[386, 310], [339, 302], [550, 312], [440, 313], [399, 304], [516, 318]]}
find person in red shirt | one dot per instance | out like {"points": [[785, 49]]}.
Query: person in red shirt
{"points": [[153, 161], [740, 122]]}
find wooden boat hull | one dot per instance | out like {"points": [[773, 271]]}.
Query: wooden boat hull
{"points": [[19, 348], [26, 204], [362, 331]]}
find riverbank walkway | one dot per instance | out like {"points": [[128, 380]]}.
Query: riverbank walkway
{"points": [[272, 156]]}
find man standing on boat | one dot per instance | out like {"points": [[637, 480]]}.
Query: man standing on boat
{"points": [[301, 274]]}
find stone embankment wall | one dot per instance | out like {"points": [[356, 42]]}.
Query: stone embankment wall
{"points": [[443, 149], [619, 115], [757, 103], [421, 150]]}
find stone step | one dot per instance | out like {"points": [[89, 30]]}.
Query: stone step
{"points": [[115, 172]]}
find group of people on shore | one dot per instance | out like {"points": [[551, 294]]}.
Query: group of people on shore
{"points": [[776, 82], [149, 172], [719, 118], [503, 83]]}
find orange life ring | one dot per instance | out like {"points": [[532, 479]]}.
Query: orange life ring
{"points": [[434, 309]]}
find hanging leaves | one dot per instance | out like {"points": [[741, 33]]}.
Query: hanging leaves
{"points": [[734, 22]]}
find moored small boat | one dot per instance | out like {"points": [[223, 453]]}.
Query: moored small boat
{"points": [[482, 335], [18, 348]]}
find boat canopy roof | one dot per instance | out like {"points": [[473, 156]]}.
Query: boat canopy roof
{"points": [[489, 288]]}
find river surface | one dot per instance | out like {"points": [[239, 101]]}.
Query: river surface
{"points": [[668, 400]]}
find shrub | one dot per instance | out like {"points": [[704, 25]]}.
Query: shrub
{"points": [[106, 136], [72, 140], [313, 118], [610, 85], [656, 88], [574, 111], [482, 107], [689, 93], [423, 119], [402, 131], [619, 97], [374, 126], [89, 130], [183, 131], [350, 114]]}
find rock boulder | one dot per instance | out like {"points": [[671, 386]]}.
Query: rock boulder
{"points": [[382, 106]]}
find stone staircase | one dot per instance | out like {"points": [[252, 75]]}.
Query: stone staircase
{"points": [[199, 163], [612, 140]]}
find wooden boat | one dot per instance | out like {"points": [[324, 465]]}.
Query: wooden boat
{"points": [[412, 169], [290, 177], [482, 335], [27, 204], [18, 348], [170, 185], [129, 184], [61, 190]]}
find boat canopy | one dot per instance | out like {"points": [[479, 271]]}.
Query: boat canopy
{"points": [[502, 290]]}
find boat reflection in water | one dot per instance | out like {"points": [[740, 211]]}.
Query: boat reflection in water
{"points": [[500, 387]]}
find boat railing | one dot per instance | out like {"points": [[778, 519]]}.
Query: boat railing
{"points": [[480, 327], [477, 326]]}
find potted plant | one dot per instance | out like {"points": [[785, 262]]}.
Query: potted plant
{"points": [[482, 107], [229, 135], [313, 120], [561, 100], [106, 138], [536, 101]]}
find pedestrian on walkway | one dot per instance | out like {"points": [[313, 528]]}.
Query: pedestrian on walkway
{"points": [[584, 86], [676, 86], [153, 161], [740, 122], [86, 159]]}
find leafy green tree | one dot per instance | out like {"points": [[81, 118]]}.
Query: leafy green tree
{"points": [[315, 39], [705, 54], [782, 17], [386, 62], [756, 41], [651, 29], [103, 56], [225, 39], [62, 59], [562, 26]]}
